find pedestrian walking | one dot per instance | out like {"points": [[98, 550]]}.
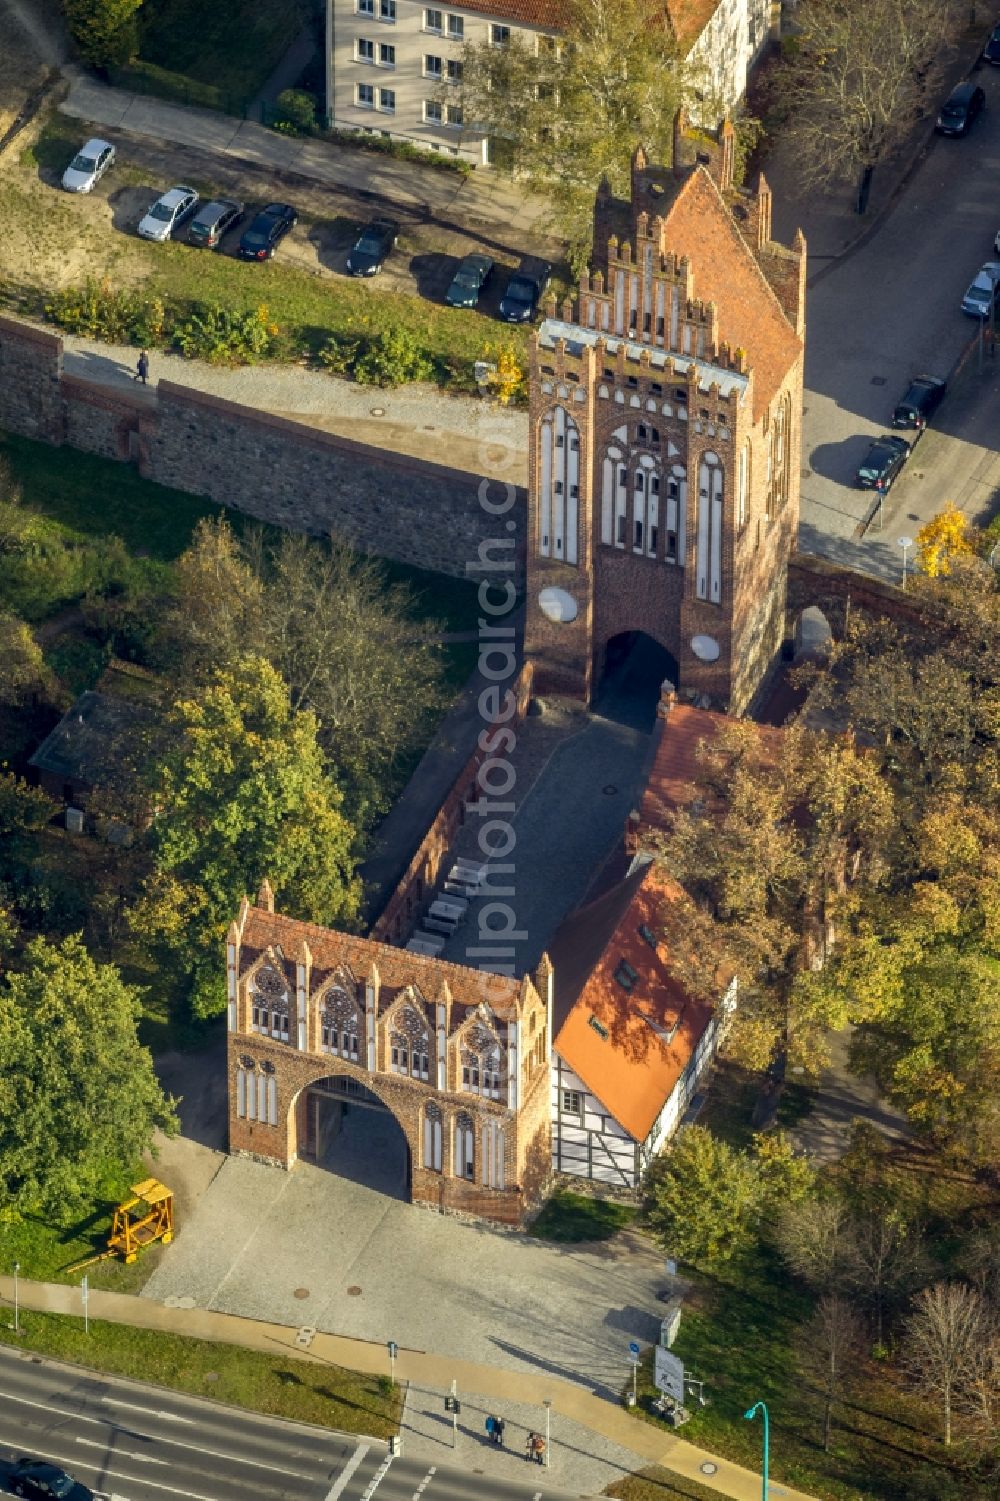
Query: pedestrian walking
{"points": [[142, 368], [498, 1428], [529, 1446]]}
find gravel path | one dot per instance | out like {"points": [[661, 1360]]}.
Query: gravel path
{"points": [[418, 420]]}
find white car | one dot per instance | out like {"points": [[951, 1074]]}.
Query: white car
{"points": [[168, 213], [981, 299], [88, 166]]}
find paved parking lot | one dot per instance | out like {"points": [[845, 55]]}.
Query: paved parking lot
{"points": [[309, 1247]]}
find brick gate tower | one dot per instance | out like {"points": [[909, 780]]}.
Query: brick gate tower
{"points": [[665, 419]]}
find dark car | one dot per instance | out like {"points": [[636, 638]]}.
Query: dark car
{"points": [[37, 1479], [960, 108], [923, 397], [519, 302], [259, 241], [370, 250], [882, 463], [213, 220], [991, 52], [468, 281]]}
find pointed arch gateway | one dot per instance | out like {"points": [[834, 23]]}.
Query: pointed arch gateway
{"points": [[347, 1124]]}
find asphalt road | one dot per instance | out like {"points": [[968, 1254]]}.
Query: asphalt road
{"points": [[889, 311], [144, 1444]]}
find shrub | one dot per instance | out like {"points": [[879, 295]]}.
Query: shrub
{"points": [[100, 311], [105, 31], [224, 336], [338, 355], [297, 109], [392, 358]]}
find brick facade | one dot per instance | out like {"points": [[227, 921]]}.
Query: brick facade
{"points": [[458, 1056], [665, 412], [280, 471]]}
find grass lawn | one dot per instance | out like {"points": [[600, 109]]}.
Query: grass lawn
{"points": [[232, 45], [570, 1217], [659, 1485], [305, 1391]]}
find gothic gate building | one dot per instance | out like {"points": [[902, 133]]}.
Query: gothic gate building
{"points": [[459, 1057], [665, 420]]}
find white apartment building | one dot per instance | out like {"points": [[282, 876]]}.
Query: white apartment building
{"points": [[390, 64]]}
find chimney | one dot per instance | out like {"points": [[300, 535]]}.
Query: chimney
{"points": [[763, 212], [727, 142], [680, 130], [640, 162], [265, 896]]}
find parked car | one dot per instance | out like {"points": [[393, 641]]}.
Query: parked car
{"points": [[883, 461], [168, 213], [88, 166], [923, 397], [370, 250], [40, 1481], [260, 240], [991, 52], [961, 107], [468, 281], [213, 220], [519, 302], [983, 291]]}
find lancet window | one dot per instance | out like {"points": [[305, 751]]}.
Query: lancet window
{"points": [[339, 1024], [481, 1062], [269, 1002], [409, 1043]]}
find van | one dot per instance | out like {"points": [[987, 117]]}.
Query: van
{"points": [[961, 107]]}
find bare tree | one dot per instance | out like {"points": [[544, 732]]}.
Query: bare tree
{"points": [[833, 1341], [860, 78], [888, 1260], [942, 1353], [980, 1397], [816, 1238]]}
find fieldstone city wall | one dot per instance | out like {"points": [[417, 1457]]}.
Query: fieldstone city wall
{"points": [[280, 471]]}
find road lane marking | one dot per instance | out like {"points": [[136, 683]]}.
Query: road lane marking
{"points": [[146, 1459], [170, 1417], [377, 1478], [342, 1481]]}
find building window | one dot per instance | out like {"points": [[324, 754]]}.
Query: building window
{"points": [[364, 50], [465, 1148], [387, 10], [456, 28], [432, 66], [647, 935], [456, 115], [433, 20], [481, 1062], [454, 71], [339, 1024], [493, 1155], [708, 558], [626, 976], [387, 101], [500, 36], [269, 1002], [366, 95], [432, 112], [386, 55], [572, 1102], [365, 7], [409, 1042], [432, 1138]]}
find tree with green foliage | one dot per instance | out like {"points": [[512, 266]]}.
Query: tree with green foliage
{"points": [[571, 111], [105, 31], [24, 673], [705, 1200], [79, 1101], [242, 793]]}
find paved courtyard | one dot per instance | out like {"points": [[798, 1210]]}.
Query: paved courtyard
{"points": [[314, 1248]]}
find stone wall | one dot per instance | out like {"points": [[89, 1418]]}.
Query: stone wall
{"points": [[283, 472], [832, 589]]}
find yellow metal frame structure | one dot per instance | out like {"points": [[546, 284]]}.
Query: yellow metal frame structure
{"points": [[143, 1219]]}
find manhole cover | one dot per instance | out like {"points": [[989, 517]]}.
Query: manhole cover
{"points": [[301, 1292], [878, 380], [609, 790], [708, 1468], [211, 1375], [378, 411], [354, 1292]]}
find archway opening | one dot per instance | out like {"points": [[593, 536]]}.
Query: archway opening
{"points": [[632, 669], [345, 1128]]}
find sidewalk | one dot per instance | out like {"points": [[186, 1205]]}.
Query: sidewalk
{"points": [[474, 1382], [483, 197]]}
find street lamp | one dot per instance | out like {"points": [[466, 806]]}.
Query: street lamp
{"points": [[750, 1414], [905, 543], [548, 1429], [17, 1268]]}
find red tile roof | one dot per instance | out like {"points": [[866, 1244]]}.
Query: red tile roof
{"points": [[397, 968], [676, 769], [688, 19], [645, 1036], [549, 15], [726, 272]]}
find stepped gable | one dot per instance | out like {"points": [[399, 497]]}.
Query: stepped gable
{"points": [[397, 968]]}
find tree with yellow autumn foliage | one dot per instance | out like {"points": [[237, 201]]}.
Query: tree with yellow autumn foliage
{"points": [[946, 536]]}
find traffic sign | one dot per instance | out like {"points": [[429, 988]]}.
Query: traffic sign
{"points": [[393, 1349], [633, 1349], [668, 1376]]}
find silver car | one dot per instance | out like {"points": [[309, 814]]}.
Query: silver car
{"points": [[168, 213], [981, 298], [88, 166]]}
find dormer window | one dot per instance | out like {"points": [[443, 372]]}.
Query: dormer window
{"points": [[647, 935], [626, 976], [599, 1028]]}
